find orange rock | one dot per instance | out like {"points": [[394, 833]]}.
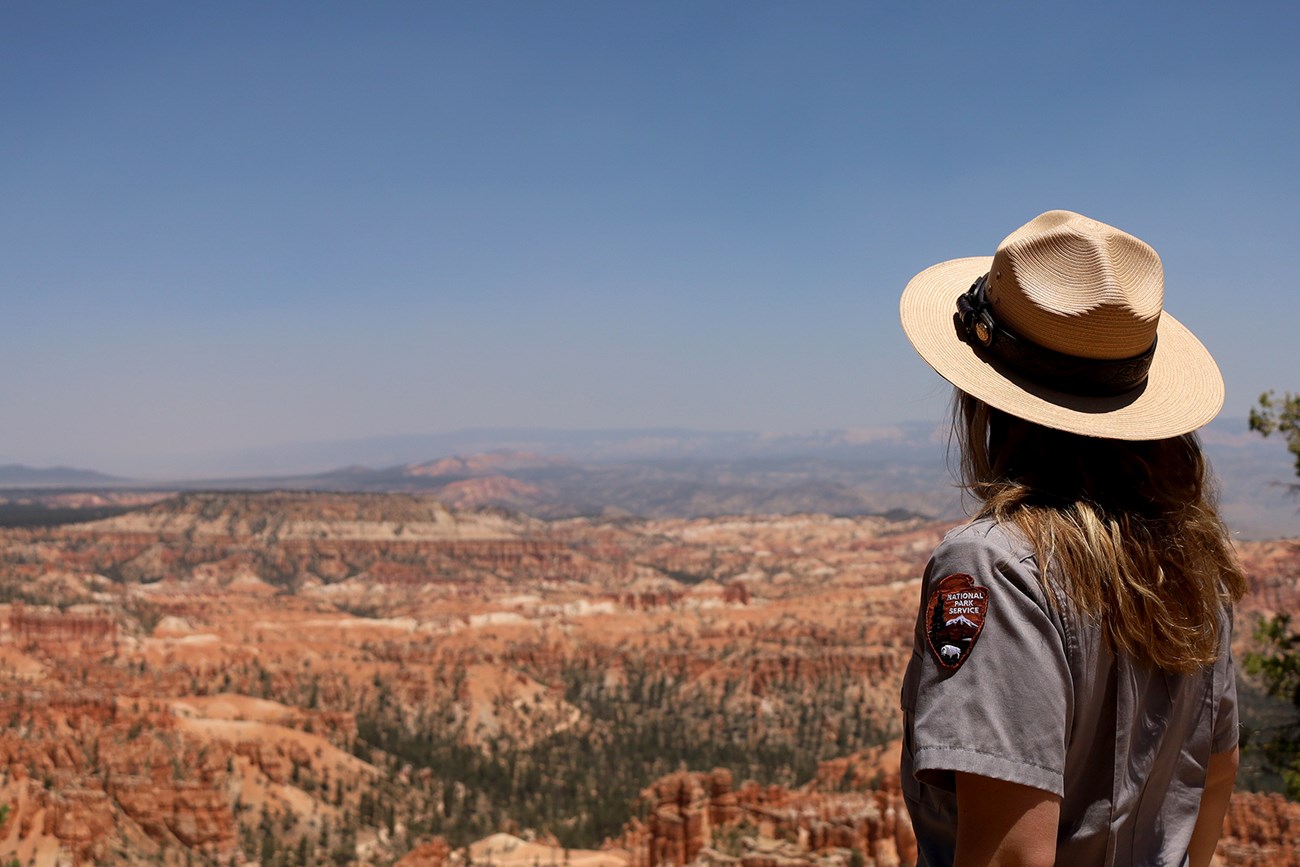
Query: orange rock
{"points": [[433, 853], [57, 634], [82, 820], [1261, 830]]}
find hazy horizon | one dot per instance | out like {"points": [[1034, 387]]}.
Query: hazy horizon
{"points": [[309, 456], [289, 458]]}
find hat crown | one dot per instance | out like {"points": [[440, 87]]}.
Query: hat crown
{"points": [[1078, 286]]}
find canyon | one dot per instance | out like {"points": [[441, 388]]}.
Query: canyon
{"points": [[375, 678]]}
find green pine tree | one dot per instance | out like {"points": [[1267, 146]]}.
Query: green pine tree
{"points": [[1277, 661]]}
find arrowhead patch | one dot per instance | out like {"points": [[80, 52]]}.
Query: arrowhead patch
{"points": [[954, 617]]}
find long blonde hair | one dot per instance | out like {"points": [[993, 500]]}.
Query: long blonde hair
{"points": [[1128, 531]]}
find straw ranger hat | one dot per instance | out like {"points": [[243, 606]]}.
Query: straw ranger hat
{"points": [[1063, 326]]}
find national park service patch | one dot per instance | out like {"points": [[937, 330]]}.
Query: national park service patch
{"points": [[954, 616]]}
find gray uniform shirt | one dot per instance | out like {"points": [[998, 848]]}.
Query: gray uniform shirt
{"points": [[1003, 684]]}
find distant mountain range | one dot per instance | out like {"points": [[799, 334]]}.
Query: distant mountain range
{"points": [[19, 476], [664, 473], [898, 469], [579, 445]]}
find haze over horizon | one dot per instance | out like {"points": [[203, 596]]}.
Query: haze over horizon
{"points": [[236, 226]]}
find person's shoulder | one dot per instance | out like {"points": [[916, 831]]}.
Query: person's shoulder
{"points": [[991, 553], [986, 539]]}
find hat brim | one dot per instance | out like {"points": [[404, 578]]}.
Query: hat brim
{"points": [[1183, 391]]}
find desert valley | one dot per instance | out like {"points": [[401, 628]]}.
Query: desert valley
{"points": [[374, 678], [453, 434]]}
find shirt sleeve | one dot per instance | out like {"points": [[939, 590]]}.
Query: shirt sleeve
{"points": [[1002, 708], [1225, 687]]}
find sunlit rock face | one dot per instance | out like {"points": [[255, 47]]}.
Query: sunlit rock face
{"points": [[1261, 829], [853, 805], [252, 677]]}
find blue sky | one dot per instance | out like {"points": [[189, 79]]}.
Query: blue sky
{"points": [[230, 225]]}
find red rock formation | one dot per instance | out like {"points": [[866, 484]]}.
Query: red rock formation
{"points": [[692, 812], [1272, 568], [724, 808], [92, 737], [434, 853], [806, 666], [1261, 831], [646, 600], [195, 814], [736, 593], [44, 709], [82, 819], [691, 815], [678, 827], [62, 634]]}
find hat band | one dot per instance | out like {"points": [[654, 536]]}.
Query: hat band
{"points": [[1099, 377]]}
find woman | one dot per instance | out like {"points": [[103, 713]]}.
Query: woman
{"points": [[1070, 696]]}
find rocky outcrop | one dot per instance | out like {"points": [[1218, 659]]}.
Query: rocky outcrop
{"points": [[82, 820], [434, 853], [678, 826], [194, 814], [736, 593], [168, 702], [808, 666], [700, 818], [1272, 569], [1261, 831], [61, 634], [646, 600]]}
